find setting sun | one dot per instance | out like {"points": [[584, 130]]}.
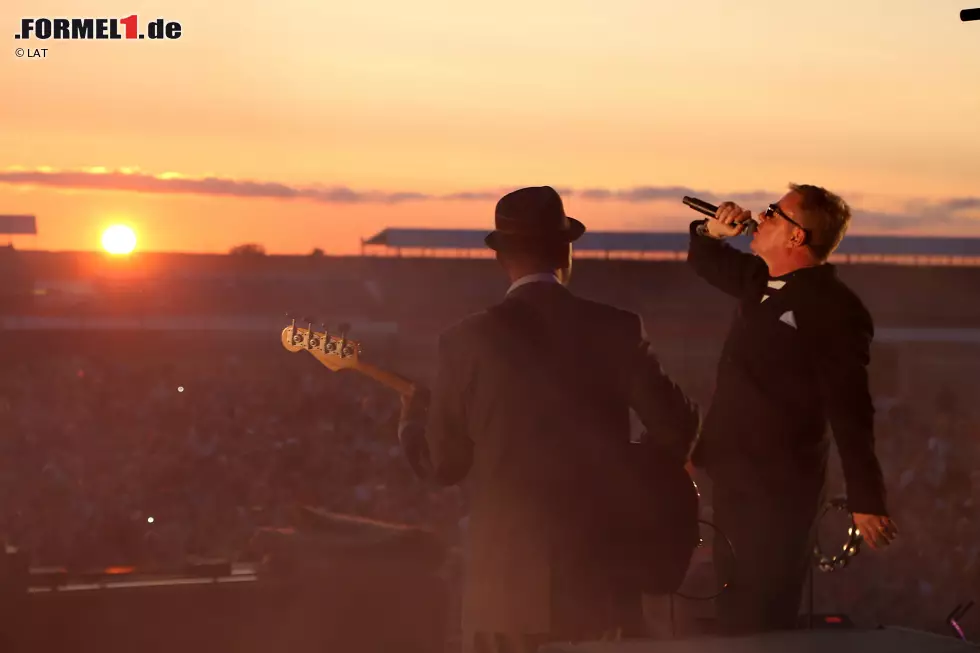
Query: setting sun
{"points": [[119, 239]]}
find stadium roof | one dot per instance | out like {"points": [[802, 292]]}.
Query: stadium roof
{"points": [[18, 224], [609, 241], [639, 241]]}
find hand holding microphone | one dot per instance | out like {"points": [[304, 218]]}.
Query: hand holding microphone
{"points": [[728, 219]]}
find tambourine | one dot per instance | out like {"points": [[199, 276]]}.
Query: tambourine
{"points": [[851, 548]]}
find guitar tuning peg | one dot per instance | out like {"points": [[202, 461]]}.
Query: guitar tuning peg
{"points": [[344, 349], [325, 345], [310, 338]]}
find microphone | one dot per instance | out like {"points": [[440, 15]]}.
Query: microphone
{"points": [[711, 211]]}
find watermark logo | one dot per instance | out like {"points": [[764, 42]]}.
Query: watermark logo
{"points": [[31, 53], [85, 29]]}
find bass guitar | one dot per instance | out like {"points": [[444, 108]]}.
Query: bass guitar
{"points": [[338, 353]]}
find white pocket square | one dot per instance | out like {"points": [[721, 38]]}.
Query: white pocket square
{"points": [[788, 318]]}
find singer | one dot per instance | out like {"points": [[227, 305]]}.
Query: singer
{"points": [[795, 360]]}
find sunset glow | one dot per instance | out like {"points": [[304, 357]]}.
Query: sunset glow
{"points": [[421, 114]]}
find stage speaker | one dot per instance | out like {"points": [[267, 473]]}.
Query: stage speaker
{"points": [[825, 621], [890, 640], [340, 584], [14, 573]]}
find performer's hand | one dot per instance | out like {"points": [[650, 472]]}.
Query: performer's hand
{"points": [[724, 225], [415, 406], [877, 530], [411, 437], [411, 430]]}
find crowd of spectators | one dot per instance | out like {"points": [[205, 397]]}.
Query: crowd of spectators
{"points": [[929, 447], [146, 456], [114, 459]]}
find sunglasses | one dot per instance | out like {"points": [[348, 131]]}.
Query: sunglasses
{"points": [[774, 209]]}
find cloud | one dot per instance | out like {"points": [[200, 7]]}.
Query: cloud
{"points": [[932, 219], [139, 182], [134, 180], [947, 213], [960, 204], [481, 196], [643, 194]]}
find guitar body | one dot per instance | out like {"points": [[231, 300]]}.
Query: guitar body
{"points": [[678, 514], [656, 533]]}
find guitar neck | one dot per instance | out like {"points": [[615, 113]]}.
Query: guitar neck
{"points": [[394, 381]]}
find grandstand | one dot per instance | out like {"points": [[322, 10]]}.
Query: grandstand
{"points": [[423, 293], [673, 245], [18, 225], [927, 317], [427, 279]]}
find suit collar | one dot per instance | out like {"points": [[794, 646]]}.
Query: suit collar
{"points": [[537, 291], [543, 277], [821, 271]]}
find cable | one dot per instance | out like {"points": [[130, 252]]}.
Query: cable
{"points": [[725, 585]]}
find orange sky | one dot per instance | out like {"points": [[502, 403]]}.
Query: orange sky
{"points": [[877, 101]]}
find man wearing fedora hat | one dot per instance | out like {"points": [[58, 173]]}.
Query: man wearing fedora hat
{"points": [[531, 408]]}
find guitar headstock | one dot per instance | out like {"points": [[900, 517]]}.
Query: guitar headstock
{"points": [[335, 352]]}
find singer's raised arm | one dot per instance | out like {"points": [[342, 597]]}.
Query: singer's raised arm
{"points": [[724, 267]]}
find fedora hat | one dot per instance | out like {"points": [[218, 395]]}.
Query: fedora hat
{"points": [[532, 214]]}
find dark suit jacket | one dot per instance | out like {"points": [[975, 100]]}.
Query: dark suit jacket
{"points": [[780, 384], [536, 419]]}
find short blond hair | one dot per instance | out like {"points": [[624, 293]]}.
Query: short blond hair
{"points": [[825, 215]]}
